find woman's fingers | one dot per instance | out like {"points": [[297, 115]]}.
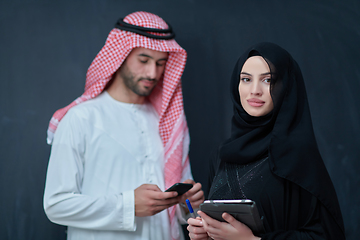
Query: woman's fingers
{"points": [[196, 229]]}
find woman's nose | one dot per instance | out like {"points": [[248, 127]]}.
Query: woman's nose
{"points": [[256, 88]]}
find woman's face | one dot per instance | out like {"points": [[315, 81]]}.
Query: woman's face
{"points": [[254, 87]]}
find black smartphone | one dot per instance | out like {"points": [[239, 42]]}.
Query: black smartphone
{"points": [[180, 188]]}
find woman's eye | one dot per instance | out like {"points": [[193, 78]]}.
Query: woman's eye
{"points": [[245, 79], [267, 80]]}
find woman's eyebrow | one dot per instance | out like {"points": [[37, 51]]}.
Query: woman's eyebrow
{"points": [[262, 74], [245, 73], [267, 73]]}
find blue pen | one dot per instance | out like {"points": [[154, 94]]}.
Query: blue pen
{"points": [[190, 208]]}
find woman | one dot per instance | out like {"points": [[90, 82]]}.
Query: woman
{"points": [[271, 157]]}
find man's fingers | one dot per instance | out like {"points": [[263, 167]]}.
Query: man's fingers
{"points": [[198, 196], [149, 200], [195, 188], [157, 206], [195, 195], [150, 187], [154, 192], [167, 201], [166, 195], [170, 201], [189, 181], [160, 208]]}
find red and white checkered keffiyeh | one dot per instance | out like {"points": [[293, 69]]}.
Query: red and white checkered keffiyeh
{"points": [[166, 96]]}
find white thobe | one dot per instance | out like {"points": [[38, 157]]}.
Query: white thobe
{"points": [[102, 151]]}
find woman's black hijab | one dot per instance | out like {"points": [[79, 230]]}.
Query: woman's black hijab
{"points": [[286, 134]]}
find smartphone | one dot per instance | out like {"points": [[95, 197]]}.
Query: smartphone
{"points": [[180, 188]]}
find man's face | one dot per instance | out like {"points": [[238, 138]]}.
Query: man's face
{"points": [[142, 70]]}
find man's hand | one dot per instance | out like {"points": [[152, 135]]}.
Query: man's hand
{"points": [[195, 194], [150, 200]]}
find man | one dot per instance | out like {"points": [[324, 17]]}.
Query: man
{"points": [[117, 148]]}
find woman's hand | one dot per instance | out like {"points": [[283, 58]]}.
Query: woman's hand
{"points": [[229, 230], [196, 229]]}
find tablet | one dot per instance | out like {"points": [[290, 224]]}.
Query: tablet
{"points": [[243, 210]]}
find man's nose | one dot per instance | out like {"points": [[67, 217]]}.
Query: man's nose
{"points": [[151, 71]]}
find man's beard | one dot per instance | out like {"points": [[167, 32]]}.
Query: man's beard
{"points": [[132, 84]]}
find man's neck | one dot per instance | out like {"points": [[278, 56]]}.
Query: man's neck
{"points": [[122, 94]]}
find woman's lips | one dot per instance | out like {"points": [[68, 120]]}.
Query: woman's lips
{"points": [[254, 102]]}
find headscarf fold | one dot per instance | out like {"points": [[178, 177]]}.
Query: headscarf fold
{"points": [[286, 134], [166, 97]]}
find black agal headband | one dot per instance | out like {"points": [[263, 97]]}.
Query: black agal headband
{"points": [[147, 32]]}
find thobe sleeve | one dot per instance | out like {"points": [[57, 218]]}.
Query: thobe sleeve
{"points": [[64, 202]]}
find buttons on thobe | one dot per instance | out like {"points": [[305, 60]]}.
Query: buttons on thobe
{"points": [[145, 141]]}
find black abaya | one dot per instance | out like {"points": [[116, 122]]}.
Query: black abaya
{"points": [[289, 211], [274, 159]]}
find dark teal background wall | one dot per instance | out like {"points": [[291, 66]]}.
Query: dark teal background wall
{"points": [[47, 46]]}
